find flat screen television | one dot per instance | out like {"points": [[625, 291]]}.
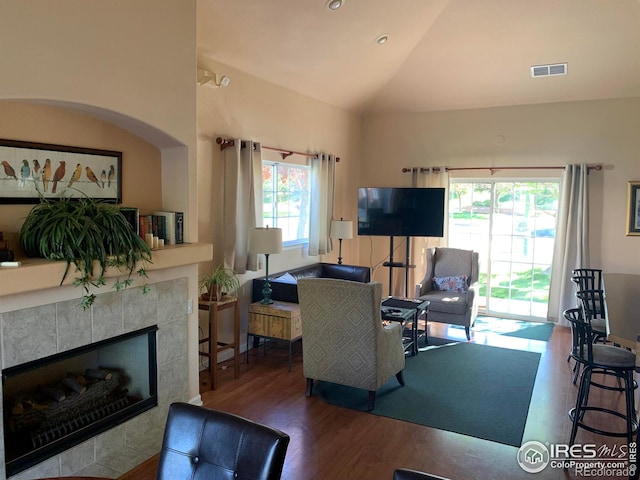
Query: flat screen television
{"points": [[401, 212]]}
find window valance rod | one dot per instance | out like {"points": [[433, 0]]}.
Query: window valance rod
{"points": [[491, 169], [226, 142]]}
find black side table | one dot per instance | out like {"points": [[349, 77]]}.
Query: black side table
{"points": [[400, 309]]}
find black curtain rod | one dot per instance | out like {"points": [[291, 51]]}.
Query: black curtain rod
{"points": [[225, 142]]}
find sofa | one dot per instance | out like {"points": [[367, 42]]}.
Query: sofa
{"points": [[284, 285]]}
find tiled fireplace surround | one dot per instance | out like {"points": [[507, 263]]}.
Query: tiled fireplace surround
{"points": [[38, 332]]}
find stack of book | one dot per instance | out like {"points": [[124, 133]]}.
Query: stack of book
{"points": [[167, 225], [6, 255], [170, 226]]}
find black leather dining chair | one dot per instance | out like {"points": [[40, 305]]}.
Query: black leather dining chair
{"points": [[407, 474], [204, 444]]}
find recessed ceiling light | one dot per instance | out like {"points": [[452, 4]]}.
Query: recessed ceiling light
{"points": [[382, 39], [334, 4]]}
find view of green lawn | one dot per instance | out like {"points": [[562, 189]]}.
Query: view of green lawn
{"points": [[512, 226]]}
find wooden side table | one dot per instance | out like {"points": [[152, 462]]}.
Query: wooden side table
{"points": [[279, 320], [216, 346]]}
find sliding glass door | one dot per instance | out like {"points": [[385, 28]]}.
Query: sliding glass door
{"points": [[512, 225]]}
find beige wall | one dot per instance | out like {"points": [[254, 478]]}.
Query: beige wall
{"points": [[130, 63], [599, 132], [254, 109], [604, 132], [141, 165]]}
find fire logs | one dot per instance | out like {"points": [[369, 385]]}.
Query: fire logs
{"points": [[70, 399], [72, 383], [53, 393], [100, 373]]}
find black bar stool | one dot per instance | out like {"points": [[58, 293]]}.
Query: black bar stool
{"points": [[600, 358], [587, 278], [593, 302]]}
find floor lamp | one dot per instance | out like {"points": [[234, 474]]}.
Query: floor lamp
{"points": [[341, 229], [266, 241]]}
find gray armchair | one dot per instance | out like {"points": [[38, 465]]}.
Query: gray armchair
{"points": [[344, 339], [451, 286]]}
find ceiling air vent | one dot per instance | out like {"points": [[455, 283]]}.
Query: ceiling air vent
{"points": [[549, 70]]}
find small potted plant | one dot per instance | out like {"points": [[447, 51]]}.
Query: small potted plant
{"points": [[222, 280]]}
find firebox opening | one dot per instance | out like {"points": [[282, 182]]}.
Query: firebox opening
{"points": [[54, 403]]}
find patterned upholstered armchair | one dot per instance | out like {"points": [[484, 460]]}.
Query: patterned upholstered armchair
{"points": [[344, 339], [450, 284]]}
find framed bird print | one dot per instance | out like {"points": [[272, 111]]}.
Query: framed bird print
{"points": [[29, 171]]}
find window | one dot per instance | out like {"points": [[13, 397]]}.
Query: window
{"points": [[285, 200], [512, 224]]}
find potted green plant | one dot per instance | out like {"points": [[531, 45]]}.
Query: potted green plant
{"points": [[222, 280], [87, 233]]}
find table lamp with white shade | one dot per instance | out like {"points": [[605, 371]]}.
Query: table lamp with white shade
{"points": [[266, 240], [341, 229]]}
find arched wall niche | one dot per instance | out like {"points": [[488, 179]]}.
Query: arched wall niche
{"points": [[170, 190], [139, 128], [156, 192]]}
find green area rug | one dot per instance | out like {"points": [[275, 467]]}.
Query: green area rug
{"points": [[466, 388], [514, 328], [537, 332]]}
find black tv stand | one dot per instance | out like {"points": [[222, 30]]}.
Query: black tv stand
{"points": [[391, 264]]}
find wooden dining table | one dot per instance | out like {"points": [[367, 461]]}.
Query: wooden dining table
{"points": [[622, 304]]}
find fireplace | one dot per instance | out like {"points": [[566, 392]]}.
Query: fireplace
{"points": [[36, 326], [54, 403]]}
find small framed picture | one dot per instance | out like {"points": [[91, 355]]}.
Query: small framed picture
{"points": [[29, 171], [633, 195]]}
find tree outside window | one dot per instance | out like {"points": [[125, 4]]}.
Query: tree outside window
{"points": [[285, 197]]}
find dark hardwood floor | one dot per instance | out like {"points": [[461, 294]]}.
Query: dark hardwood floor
{"points": [[332, 443]]}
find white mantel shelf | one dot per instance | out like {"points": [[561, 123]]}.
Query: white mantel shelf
{"points": [[36, 273]]}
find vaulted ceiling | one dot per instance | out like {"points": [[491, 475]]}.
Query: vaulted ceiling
{"points": [[440, 54]]}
